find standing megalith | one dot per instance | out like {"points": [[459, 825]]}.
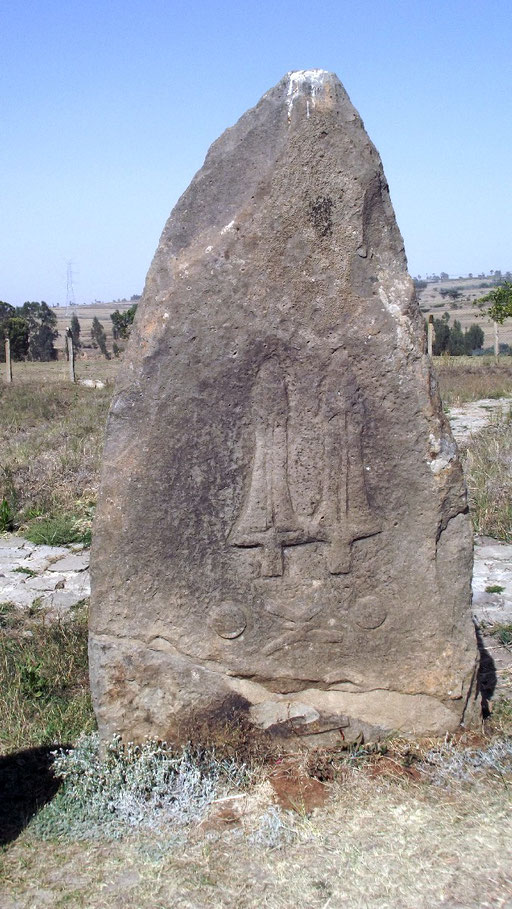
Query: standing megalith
{"points": [[282, 534]]}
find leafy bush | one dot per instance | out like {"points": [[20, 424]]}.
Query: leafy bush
{"points": [[6, 516], [503, 633], [273, 831], [122, 322]]}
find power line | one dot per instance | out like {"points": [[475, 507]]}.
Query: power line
{"points": [[70, 290]]}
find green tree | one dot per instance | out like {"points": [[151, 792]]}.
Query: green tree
{"points": [[441, 337], [6, 311], [42, 344], [473, 338], [16, 329], [498, 302], [456, 345], [75, 331], [122, 322], [99, 338], [42, 331], [453, 293]]}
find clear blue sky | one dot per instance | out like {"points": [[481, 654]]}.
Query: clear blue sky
{"points": [[108, 109]]}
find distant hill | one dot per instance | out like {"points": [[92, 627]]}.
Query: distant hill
{"points": [[85, 316], [457, 297], [454, 296]]}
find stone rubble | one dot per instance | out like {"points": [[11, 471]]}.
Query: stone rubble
{"points": [[492, 568]]}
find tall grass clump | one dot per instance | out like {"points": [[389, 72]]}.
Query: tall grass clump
{"points": [[51, 438], [58, 530], [463, 379], [488, 468], [134, 787], [44, 687]]}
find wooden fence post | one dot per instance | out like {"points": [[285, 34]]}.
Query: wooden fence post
{"points": [[71, 355], [8, 364], [430, 335]]}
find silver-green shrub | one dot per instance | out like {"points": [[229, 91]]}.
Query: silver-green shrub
{"points": [[134, 786], [447, 764]]}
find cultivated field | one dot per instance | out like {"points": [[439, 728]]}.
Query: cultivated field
{"points": [[85, 316]]}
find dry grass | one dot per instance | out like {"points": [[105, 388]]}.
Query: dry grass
{"points": [[378, 843], [51, 438], [488, 468], [57, 371], [463, 379], [43, 678]]}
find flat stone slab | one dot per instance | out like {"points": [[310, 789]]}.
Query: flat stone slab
{"points": [[56, 577], [492, 568], [71, 563], [472, 417], [61, 599], [45, 582], [9, 554], [12, 540], [51, 552], [18, 596], [79, 584]]}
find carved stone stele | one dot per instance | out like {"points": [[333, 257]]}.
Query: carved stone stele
{"points": [[282, 534]]}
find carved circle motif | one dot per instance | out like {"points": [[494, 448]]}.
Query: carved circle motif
{"points": [[228, 620], [369, 612]]}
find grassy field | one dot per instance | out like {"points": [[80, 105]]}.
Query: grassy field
{"points": [[51, 438], [403, 825], [464, 379], [56, 372], [380, 842]]}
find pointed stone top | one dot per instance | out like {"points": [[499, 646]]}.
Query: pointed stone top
{"points": [[310, 83], [308, 75]]}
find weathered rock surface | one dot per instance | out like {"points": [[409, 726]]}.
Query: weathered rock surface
{"points": [[283, 530]]}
